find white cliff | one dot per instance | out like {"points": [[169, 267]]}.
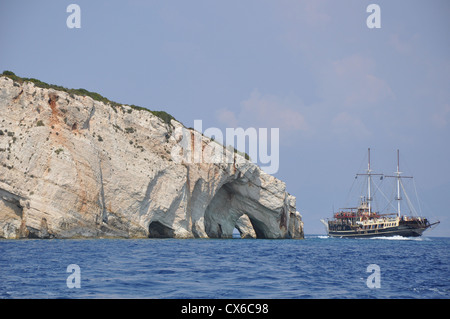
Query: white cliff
{"points": [[74, 167]]}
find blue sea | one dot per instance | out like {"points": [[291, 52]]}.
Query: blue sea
{"points": [[317, 267]]}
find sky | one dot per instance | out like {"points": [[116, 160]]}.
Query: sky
{"points": [[314, 69]]}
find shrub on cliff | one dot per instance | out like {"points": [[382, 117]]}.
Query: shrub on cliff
{"points": [[164, 116]]}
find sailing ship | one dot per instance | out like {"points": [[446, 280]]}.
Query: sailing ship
{"points": [[364, 222]]}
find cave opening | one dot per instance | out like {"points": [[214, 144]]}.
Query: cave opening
{"points": [[236, 234], [229, 215], [259, 227], [158, 230]]}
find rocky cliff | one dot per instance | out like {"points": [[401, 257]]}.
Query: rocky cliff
{"points": [[71, 167]]}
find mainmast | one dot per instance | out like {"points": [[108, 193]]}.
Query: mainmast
{"points": [[398, 183], [369, 198], [398, 177]]}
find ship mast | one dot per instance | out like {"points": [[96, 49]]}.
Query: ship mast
{"points": [[398, 177], [369, 199], [369, 175], [398, 183]]}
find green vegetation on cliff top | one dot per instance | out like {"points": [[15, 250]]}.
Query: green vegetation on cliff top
{"points": [[166, 117]]}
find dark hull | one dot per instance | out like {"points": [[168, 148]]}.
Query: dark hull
{"points": [[402, 230]]}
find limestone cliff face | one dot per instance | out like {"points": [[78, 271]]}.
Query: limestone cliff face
{"points": [[74, 167]]}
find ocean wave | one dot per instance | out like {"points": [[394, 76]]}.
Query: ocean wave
{"points": [[398, 237], [197, 269], [317, 236]]}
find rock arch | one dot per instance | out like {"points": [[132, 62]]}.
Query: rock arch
{"points": [[233, 207]]}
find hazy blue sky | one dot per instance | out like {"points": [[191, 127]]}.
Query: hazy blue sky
{"points": [[314, 69]]}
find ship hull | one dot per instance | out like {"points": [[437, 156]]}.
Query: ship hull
{"points": [[402, 230], [363, 222]]}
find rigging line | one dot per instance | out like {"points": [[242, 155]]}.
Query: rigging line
{"points": [[393, 195], [363, 160], [385, 207], [430, 212], [348, 195], [389, 202], [417, 196], [374, 195], [408, 201], [377, 186], [426, 206], [419, 202], [363, 189]]}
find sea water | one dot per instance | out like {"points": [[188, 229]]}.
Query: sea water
{"points": [[317, 267]]}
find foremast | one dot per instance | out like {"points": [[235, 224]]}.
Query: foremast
{"points": [[369, 175]]}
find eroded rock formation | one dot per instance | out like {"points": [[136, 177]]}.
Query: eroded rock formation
{"points": [[75, 167]]}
